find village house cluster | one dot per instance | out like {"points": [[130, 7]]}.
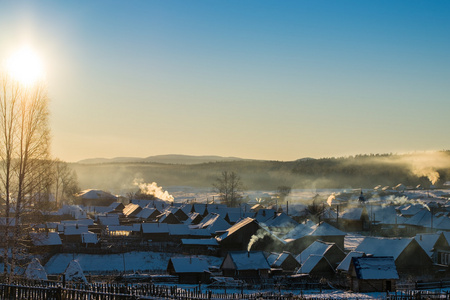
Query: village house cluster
{"points": [[363, 241]]}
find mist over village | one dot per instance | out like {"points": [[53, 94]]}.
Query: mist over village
{"points": [[224, 150]]}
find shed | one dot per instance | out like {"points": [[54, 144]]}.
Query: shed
{"points": [[373, 274], [190, 270], [245, 265]]}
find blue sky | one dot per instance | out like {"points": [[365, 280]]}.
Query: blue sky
{"points": [[277, 80]]}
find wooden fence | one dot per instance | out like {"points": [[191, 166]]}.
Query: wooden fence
{"points": [[123, 292], [417, 295]]}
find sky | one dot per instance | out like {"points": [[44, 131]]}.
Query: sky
{"points": [[275, 80]]}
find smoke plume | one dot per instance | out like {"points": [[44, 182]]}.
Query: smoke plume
{"points": [[153, 189], [260, 234]]}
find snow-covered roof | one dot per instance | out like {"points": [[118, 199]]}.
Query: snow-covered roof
{"points": [[264, 214], [235, 228], [131, 209], [272, 257], [386, 215], [375, 267], [316, 248], [109, 220], [427, 241], [75, 229], [74, 210], [146, 212], [249, 260], [378, 246], [95, 194], [178, 229], [345, 263], [280, 259], [214, 222], [411, 209], [89, 238], [155, 228], [311, 263], [325, 229], [442, 223], [203, 242], [281, 220], [299, 231], [188, 264], [422, 218], [353, 213], [45, 238]]}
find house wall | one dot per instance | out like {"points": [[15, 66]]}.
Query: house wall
{"points": [[376, 285], [413, 261]]}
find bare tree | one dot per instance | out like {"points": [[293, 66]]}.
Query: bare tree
{"points": [[229, 187], [24, 154], [65, 182], [9, 99]]}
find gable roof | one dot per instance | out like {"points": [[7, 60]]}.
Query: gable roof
{"points": [[427, 241], [249, 260], [131, 209], [354, 213], [109, 220], [281, 258], [345, 263], [386, 215], [281, 220], [155, 228], [95, 194], [372, 267], [299, 231], [316, 248], [325, 229], [45, 238], [230, 231], [312, 261], [188, 264], [378, 246]]}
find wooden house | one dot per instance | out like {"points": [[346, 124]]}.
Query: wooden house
{"points": [[153, 231], [317, 267], [245, 265], [330, 251], [304, 235], [373, 274], [190, 270], [410, 258], [441, 249], [249, 235], [286, 262], [354, 219], [45, 241], [95, 198]]}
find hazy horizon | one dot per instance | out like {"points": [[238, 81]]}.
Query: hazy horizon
{"points": [[260, 80]]}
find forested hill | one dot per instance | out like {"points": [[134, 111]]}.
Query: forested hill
{"points": [[361, 171]]}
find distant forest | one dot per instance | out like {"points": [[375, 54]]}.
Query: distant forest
{"points": [[360, 171]]}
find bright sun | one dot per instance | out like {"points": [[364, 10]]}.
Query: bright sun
{"points": [[25, 66]]}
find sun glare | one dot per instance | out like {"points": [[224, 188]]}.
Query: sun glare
{"points": [[25, 66]]}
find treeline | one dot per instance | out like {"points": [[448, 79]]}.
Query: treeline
{"points": [[360, 171]]}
